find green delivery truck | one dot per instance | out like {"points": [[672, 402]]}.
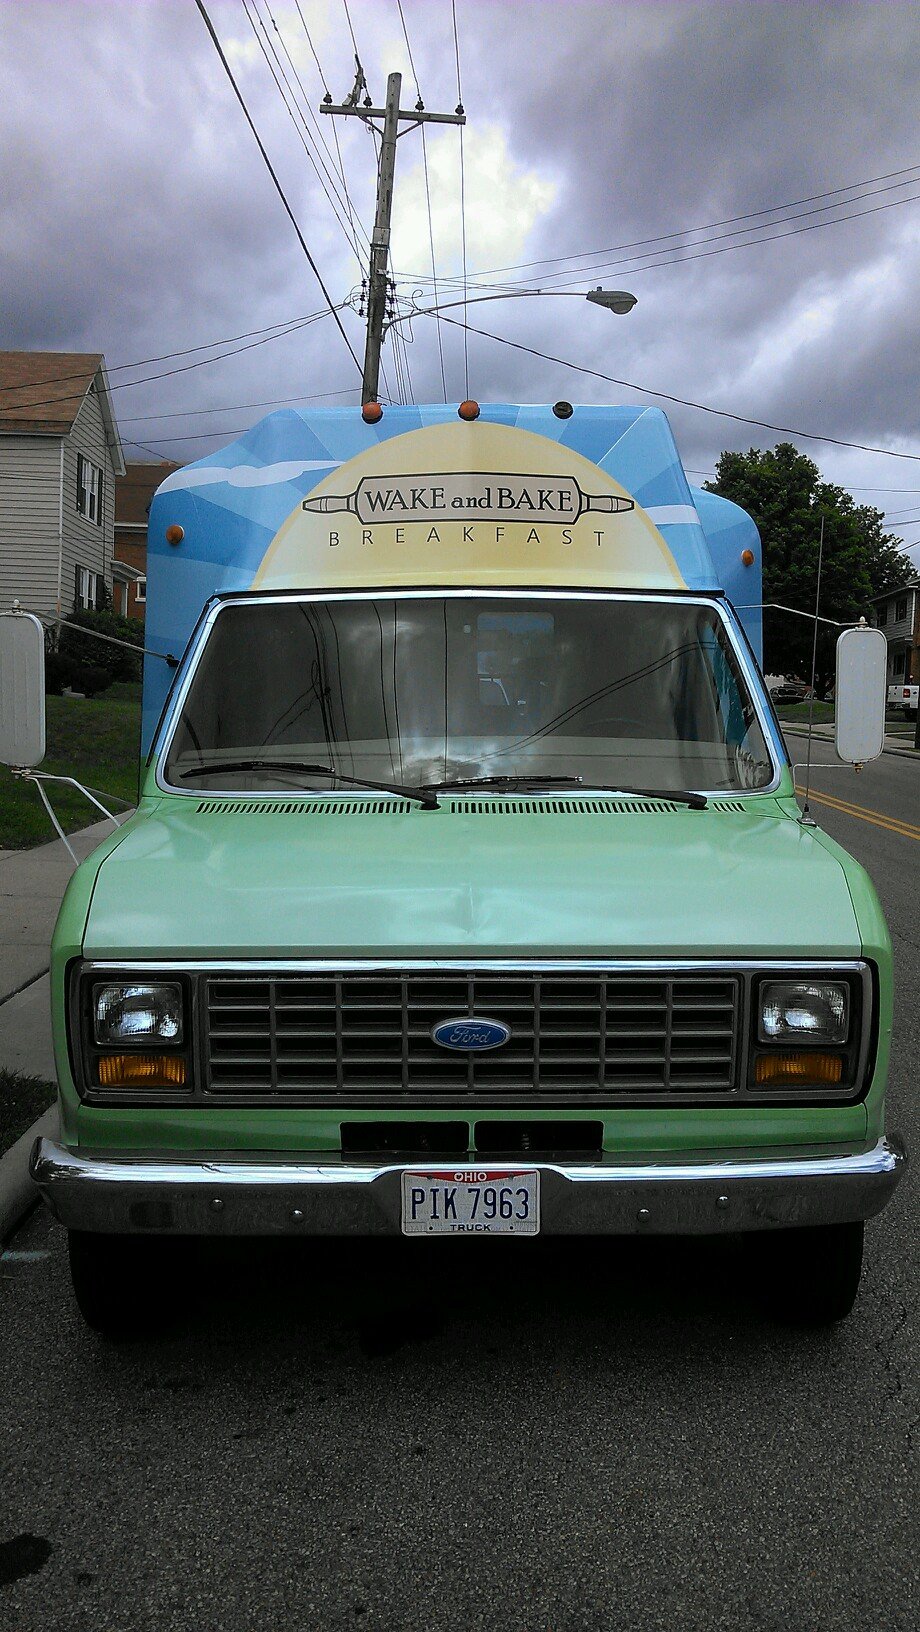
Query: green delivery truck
{"points": [[467, 892]]}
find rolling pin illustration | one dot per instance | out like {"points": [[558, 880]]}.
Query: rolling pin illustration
{"points": [[460, 495]]}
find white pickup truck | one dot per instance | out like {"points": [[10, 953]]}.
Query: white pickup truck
{"points": [[905, 697]]}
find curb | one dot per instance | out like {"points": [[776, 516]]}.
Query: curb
{"points": [[17, 1192], [797, 731]]}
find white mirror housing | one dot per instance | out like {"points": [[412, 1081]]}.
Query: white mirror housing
{"points": [[860, 695], [22, 690]]}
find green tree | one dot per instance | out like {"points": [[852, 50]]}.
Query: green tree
{"points": [[783, 491]]}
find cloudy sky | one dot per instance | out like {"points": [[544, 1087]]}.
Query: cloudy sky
{"points": [[653, 147]]}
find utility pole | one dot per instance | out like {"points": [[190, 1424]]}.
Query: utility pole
{"points": [[392, 115]]}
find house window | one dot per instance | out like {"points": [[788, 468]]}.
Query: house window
{"points": [[883, 615], [901, 610], [89, 490], [86, 590], [140, 591]]}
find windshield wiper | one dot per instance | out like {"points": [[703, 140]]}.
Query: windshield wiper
{"points": [[676, 796], [424, 796], [696, 801], [524, 780]]}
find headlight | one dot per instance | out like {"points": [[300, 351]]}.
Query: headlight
{"points": [[812, 1011], [149, 1013]]}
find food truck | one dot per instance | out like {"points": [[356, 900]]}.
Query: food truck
{"points": [[467, 893]]}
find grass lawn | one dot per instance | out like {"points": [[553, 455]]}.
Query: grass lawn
{"points": [[823, 715], [22, 1099], [97, 740]]}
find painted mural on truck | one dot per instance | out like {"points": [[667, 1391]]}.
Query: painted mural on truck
{"points": [[319, 499]]}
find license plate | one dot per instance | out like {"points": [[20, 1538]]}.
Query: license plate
{"points": [[471, 1201]]}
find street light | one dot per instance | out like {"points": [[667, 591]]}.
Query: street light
{"points": [[615, 300], [619, 301]]}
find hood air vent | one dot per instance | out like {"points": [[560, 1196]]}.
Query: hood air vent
{"points": [[303, 807], [459, 807]]}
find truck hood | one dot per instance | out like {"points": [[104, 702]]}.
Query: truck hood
{"points": [[363, 879]]}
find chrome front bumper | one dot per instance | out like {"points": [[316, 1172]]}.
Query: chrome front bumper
{"points": [[273, 1195]]}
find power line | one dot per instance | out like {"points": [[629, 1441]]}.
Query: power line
{"points": [[271, 170], [234, 407], [466, 349], [851, 487], [434, 270], [318, 135], [293, 111], [225, 431], [703, 254], [351, 225], [710, 226], [694, 252], [352, 213], [350, 29], [287, 326], [683, 402], [168, 373]]}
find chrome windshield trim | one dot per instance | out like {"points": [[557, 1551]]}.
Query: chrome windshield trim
{"points": [[162, 742]]}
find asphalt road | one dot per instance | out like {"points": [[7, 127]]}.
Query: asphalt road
{"points": [[544, 1437]]}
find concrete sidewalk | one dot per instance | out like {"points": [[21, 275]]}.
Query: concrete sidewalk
{"points": [[825, 733], [32, 883]]}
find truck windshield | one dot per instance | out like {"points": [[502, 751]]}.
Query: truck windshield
{"points": [[429, 689]]}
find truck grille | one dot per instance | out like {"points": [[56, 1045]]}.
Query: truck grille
{"points": [[364, 1037]]}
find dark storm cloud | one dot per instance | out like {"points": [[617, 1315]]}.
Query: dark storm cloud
{"points": [[136, 215]]}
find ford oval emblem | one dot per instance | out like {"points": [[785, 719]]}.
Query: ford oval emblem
{"points": [[469, 1034]]}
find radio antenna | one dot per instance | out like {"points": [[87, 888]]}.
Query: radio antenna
{"points": [[806, 814]]}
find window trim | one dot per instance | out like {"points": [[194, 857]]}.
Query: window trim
{"points": [[140, 590], [86, 599], [93, 491], [162, 742]]}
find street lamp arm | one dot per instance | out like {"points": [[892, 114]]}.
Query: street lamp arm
{"points": [[615, 300]]}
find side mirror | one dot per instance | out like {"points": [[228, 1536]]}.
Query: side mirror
{"points": [[860, 695], [22, 690]]}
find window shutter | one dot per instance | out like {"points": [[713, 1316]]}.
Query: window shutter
{"points": [[80, 486], [99, 499], [76, 589]]}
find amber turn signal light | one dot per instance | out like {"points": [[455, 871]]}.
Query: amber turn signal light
{"points": [[747, 558], [792, 1070], [142, 1071], [174, 533]]}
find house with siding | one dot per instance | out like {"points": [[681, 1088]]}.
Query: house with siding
{"points": [[133, 493], [897, 614], [59, 456]]}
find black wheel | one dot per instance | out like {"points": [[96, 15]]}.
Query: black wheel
{"points": [[809, 1277], [127, 1284]]}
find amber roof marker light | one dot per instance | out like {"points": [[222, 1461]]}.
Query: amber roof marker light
{"points": [[747, 558], [468, 410], [371, 413], [174, 533]]}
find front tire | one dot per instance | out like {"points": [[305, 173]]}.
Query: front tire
{"points": [[809, 1277], [127, 1284]]}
